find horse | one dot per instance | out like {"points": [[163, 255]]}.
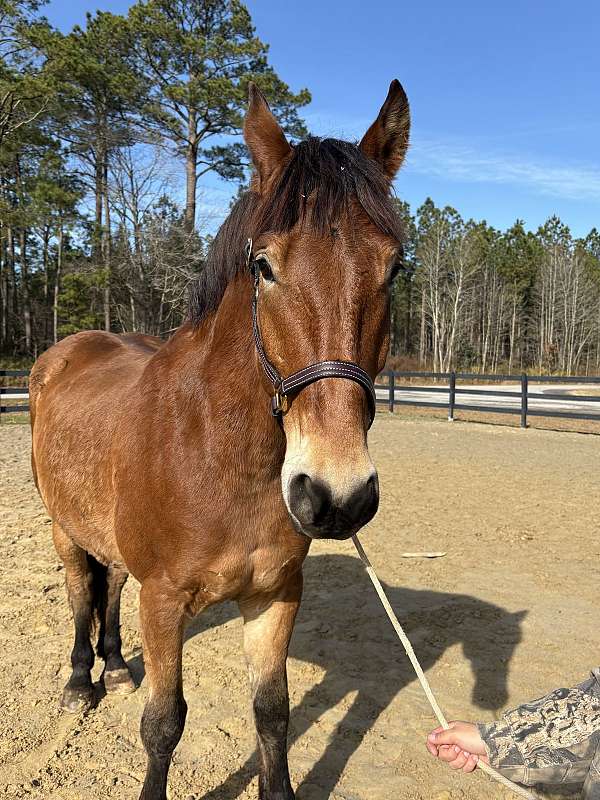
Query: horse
{"points": [[163, 460]]}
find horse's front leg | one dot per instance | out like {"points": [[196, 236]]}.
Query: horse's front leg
{"points": [[162, 619], [268, 624]]}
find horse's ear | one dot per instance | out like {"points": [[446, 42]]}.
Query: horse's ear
{"points": [[386, 141], [265, 140]]}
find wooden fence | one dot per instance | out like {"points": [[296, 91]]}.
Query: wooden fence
{"points": [[7, 391], [392, 391], [394, 394]]}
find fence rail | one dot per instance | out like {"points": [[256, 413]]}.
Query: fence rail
{"points": [[395, 393], [10, 373], [17, 391]]}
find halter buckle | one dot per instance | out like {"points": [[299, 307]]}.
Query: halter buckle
{"points": [[279, 404]]}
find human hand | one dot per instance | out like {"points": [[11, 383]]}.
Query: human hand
{"points": [[460, 745]]}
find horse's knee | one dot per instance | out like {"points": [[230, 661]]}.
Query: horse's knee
{"points": [[162, 725]]}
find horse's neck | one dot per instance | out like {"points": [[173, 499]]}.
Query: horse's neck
{"points": [[216, 363]]}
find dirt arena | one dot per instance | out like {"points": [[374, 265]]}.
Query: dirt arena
{"points": [[509, 612]]}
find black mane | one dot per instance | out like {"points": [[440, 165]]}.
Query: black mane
{"points": [[333, 173]]}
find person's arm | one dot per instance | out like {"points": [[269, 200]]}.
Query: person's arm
{"points": [[550, 740], [460, 745], [591, 787]]}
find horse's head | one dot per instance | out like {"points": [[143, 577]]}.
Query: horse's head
{"points": [[327, 240]]}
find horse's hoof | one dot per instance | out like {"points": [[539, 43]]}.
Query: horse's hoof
{"points": [[75, 701], [118, 681]]}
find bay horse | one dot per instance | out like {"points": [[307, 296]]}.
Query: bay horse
{"points": [[162, 459]]}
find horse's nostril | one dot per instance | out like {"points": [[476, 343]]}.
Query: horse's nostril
{"points": [[310, 500], [362, 505]]}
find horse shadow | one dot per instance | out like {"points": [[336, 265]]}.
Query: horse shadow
{"points": [[341, 627]]}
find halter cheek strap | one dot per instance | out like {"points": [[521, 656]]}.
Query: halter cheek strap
{"points": [[286, 388]]}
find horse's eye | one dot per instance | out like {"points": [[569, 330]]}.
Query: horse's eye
{"points": [[265, 269], [394, 272]]}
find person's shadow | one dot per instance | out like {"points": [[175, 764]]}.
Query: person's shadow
{"points": [[342, 628]]}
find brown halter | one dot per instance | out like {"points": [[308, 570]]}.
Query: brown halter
{"points": [[286, 388]]}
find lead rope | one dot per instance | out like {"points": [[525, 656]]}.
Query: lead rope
{"points": [[518, 790]]}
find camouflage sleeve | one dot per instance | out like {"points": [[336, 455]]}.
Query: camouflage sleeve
{"points": [[591, 787], [550, 740]]}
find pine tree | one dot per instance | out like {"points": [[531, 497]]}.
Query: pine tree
{"points": [[197, 58], [97, 99]]}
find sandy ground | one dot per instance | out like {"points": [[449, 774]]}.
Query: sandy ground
{"points": [[507, 614]]}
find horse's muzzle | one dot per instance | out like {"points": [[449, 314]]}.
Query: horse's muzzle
{"points": [[319, 515]]}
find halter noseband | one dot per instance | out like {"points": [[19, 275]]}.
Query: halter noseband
{"points": [[286, 388]]}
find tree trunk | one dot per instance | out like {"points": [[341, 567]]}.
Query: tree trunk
{"points": [[25, 290], [13, 297], [513, 326], [106, 245], [422, 336], [57, 277], [3, 288], [143, 294], [46, 267], [191, 175], [98, 194], [408, 348]]}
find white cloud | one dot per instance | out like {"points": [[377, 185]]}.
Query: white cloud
{"points": [[455, 160], [463, 163]]}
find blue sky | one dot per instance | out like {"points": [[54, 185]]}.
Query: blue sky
{"points": [[505, 97]]}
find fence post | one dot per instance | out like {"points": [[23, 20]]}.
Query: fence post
{"points": [[451, 396], [524, 389], [392, 386]]}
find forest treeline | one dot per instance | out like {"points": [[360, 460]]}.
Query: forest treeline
{"points": [[104, 128], [91, 124], [475, 298]]}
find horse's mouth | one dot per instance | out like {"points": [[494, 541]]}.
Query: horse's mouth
{"points": [[332, 527]]}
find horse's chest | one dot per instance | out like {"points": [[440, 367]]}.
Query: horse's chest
{"points": [[270, 571], [265, 570]]}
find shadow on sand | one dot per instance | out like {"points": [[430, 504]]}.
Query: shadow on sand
{"points": [[342, 628]]}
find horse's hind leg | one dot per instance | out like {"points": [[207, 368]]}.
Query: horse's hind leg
{"points": [[116, 676], [78, 694]]}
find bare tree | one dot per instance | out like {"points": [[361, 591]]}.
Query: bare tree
{"points": [[447, 256]]}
